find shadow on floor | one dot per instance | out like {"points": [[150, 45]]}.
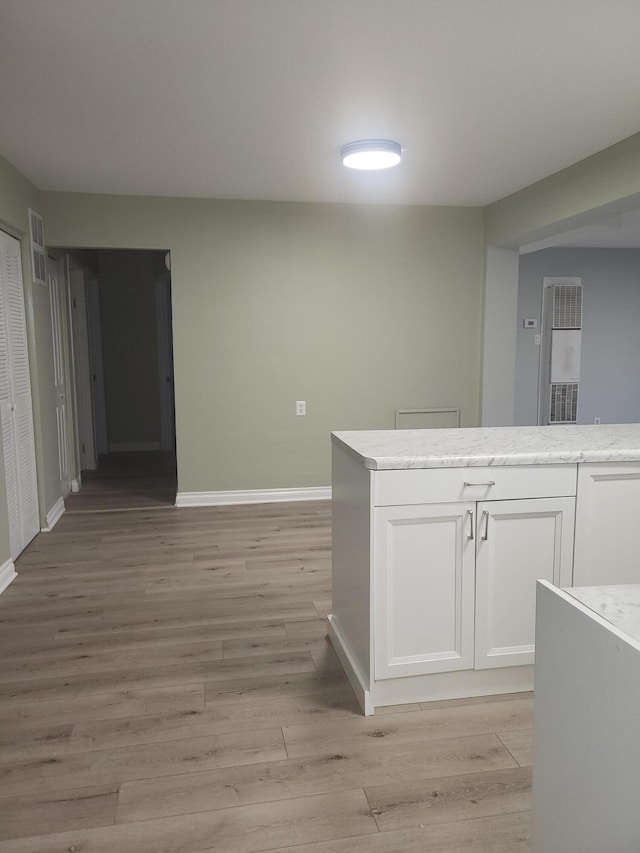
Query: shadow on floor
{"points": [[127, 481]]}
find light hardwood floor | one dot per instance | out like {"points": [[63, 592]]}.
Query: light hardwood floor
{"points": [[166, 685]]}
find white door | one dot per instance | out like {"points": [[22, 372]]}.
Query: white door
{"points": [[15, 402], [518, 542], [58, 302], [424, 589]]}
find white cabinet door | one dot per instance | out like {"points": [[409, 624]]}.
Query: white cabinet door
{"points": [[518, 542], [423, 588], [607, 524]]}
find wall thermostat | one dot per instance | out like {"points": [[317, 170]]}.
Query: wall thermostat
{"points": [[530, 324]]}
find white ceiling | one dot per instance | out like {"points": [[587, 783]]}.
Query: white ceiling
{"points": [[252, 99]]}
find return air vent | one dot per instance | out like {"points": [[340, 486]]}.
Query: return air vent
{"points": [[559, 375], [567, 306], [564, 403], [38, 252]]}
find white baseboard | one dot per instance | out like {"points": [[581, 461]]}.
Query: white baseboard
{"points": [[76, 485], [352, 669], [54, 515], [7, 574], [253, 496], [133, 446]]}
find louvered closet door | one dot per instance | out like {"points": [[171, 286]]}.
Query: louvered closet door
{"points": [[16, 412]]}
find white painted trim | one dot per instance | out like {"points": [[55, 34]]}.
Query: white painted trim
{"points": [[54, 515], [133, 446], [253, 496], [76, 485], [7, 574], [351, 668]]}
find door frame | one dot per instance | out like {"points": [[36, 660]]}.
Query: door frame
{"points": [[58, 301], [94, 331], [164, 333], [86, 442]]}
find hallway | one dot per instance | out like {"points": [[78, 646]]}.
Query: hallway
{"points": [[127, 481]]}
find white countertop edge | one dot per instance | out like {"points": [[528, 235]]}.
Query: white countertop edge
{"points": [[541, 458], [380, 450]]}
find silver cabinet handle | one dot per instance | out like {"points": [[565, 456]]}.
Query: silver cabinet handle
{"points": [[470, 514], [485, 515], [489, 483]]}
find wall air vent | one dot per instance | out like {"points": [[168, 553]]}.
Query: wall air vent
{"points": [[564, 403], [567, 306], [38, 251], [559, 374]]}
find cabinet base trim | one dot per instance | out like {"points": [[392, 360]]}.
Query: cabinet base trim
{"points": [[253, 496], [7, 574], [452, 685], [351, 668]]}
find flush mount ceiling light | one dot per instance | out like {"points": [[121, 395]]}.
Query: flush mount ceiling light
{"points": [[371, 154]]}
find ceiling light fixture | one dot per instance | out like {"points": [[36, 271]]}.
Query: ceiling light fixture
{"points": [[371, 154]]}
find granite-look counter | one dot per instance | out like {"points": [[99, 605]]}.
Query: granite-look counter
{"points": [[467, 447], [618, 604]]}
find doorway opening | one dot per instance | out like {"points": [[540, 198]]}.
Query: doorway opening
{"points": [[121, 330]]}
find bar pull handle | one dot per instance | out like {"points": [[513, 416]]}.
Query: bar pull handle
{"points": [[485, 535], [470, 514], [488, 483]]}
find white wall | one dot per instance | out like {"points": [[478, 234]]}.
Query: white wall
{"points": [[500, 307], [610, 378], [359, 310]]}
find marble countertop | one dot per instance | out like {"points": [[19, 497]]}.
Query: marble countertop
{"points": [[619, 605], [458, 448]]}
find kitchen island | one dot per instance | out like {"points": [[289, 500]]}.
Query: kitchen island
{"points": [[439, 537], [586, 745]]}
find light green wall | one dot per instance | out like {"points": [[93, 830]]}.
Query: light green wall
{"points": [[17, 194], [607, 182], [357, 310], [129, 346]]}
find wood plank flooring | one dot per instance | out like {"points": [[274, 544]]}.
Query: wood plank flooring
{"points": [[166, 685], [131, 480]]}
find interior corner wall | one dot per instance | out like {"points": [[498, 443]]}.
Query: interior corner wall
{"points": [[610, 353], [358, 310], [17, 195]]}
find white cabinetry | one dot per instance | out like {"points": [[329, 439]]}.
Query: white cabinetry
{"points": [[586, 744], [455, 583], [424, 589], [607, 523], [434, 575], [518, 543]]}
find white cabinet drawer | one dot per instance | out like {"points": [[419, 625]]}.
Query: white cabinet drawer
{"points": [[438, 485]]}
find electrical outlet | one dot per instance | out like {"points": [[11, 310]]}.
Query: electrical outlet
{"points": [[536, 340], [596, 420], [301, 407]]}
